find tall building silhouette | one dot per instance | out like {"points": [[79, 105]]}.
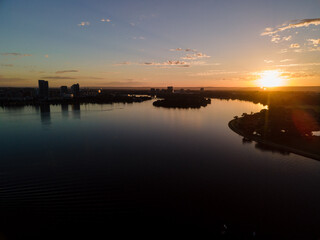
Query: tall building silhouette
{"points": [[75, 89], [63, 90], [43, 89]]}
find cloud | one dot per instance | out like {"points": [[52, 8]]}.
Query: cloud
{"points": [[275, 38], [46, 56], [183, 49], [294, 24], [7, 65], [105, 20], [132, 24], [7, 80], [315, 42], [122, 63], [297, 74], [84, 24], [58, 78], [195, 56], [67, 71], [287, 38], [300, 64], [16, 54], [268, 61], [212, 73], [192, 55], [314, 49], [126, 83], [169, 63], [286, 60], [295, 45]]}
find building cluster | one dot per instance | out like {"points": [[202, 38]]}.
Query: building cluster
{"points": [[170, 90], [43, 90]]}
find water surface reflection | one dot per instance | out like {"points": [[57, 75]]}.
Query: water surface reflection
{"points": [[151, 170]]}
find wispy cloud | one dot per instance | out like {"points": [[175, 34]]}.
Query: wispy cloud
{"points": [[276, 38], [7, 65], [298, 74], [84, 24], [195, 56], [300, 64], [122, 63], [315, 42], [286, 60], [6, 80], [295, 45], [183, 49], [16, 54], [58, 78], [293, 24], [317, 49], [46, 56], [213, 73], [169, 63], [268, 61], [184, 61], [287, 38], [105, 20], [126, 83], [66, 71]]}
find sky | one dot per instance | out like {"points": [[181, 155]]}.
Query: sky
{"points": [[140, 43]]}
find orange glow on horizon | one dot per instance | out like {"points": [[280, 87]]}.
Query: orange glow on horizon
{"points": [[271, 78]]}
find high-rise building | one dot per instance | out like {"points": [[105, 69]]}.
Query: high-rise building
{"points": [[43, 89], [63, 90], [75, 89]]}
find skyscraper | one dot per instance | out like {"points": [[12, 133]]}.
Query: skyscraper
{"points": [[43, 89], [75, 89], [63, 90]]}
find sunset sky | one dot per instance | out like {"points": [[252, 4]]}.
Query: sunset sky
{"points": [[206, 43]]}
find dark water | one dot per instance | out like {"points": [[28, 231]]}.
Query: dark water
{"points": [[137, 170]]}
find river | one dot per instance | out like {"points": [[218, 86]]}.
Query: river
{"points": [[138, 165]]}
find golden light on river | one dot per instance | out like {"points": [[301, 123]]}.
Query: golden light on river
{"points": [[271, 78]]}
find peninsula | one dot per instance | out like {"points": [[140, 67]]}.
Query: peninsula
{"points": [[286, 129]]}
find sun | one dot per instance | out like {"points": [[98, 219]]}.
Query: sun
{"points": [[271, 78]]}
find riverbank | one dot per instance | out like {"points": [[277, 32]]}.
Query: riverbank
{"points": [[234, 126], [101, 99]]}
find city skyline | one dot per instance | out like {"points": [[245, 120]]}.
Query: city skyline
{"points": [[159, 44]]}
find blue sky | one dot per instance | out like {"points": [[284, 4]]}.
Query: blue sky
{"points": [[156, 43]]}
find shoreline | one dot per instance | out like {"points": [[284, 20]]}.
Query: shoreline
{"points": [[232, 125]]}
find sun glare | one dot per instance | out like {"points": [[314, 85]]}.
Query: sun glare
{"points": [[271, 78]]}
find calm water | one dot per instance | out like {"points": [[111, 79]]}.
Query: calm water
{"points": [[137, 167]]}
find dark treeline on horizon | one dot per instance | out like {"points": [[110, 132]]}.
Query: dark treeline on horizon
{"points": [[268, 98]]}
